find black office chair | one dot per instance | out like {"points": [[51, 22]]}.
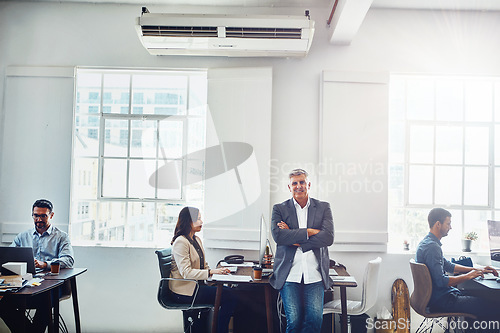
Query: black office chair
{"points": [[191, 312]]}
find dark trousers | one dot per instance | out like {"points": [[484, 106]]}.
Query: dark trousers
{"points": [[15, 318], [206, 295], [459, 301]]}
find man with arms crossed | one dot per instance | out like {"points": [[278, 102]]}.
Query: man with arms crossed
{"points": [[303, 229], [445, 297], [49, 244]]}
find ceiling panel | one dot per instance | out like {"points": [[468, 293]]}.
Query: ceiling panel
{"points": [[403, 4]]}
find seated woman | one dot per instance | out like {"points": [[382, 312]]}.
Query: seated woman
{"points": [[189, 263]]}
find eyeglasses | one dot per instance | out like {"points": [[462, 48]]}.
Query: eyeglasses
{"points": [[41, 216]]}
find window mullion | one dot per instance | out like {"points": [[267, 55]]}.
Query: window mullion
{"points": [[434, 147], [158, 124], [126, 234], [185, 138], [102, 139], [491, 168]]}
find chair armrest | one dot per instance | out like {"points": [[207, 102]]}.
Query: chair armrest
{"points": [[169, 278], [188, 280]]}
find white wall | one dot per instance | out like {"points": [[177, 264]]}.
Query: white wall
{"points": [[118, 291]]}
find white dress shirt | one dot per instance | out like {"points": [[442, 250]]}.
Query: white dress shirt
{"points": [[304, 264]]}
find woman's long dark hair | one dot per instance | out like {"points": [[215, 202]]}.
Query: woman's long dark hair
{"points": [[185, 221]]}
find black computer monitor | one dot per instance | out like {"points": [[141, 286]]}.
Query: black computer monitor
{"points": [[263, 239], [18, 254], [494, 237]]}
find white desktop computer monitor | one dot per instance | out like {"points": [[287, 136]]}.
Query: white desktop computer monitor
{"points": [[263, 240], [494, 237]]}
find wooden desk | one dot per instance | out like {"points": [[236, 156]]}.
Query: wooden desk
{"points": [[341, 271], [46, 288], [267, 293], [64, 275]]}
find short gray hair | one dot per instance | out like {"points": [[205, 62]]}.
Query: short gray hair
{"points": [[297, 172]]}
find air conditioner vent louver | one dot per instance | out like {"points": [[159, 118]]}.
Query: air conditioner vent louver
{"points": [[170, 31], [225, 35], [267, 33]]}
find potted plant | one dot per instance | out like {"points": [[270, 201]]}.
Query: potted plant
{"points": [[467, 240]]}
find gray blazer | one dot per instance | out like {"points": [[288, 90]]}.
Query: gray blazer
{"points": [[319, 216]]}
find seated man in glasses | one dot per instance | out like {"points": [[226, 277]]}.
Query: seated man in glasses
{"points": [[49, 244]]}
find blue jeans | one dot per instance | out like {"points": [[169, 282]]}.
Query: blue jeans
{"points": [[206, 295], [303, 304]]}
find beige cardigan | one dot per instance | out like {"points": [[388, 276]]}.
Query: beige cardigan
{"points": [[186, 265]]}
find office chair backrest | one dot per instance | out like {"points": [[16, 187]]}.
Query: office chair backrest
{"points": [[165, 261], [370, 284], [164, 293], [422, 287], [165, 297]]}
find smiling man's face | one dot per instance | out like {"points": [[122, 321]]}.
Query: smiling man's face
{"points": [[299, 186]]}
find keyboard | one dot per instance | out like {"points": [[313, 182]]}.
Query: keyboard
{"points": [[489, 276]]}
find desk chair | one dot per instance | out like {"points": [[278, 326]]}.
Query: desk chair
{"points": [[369, 293], [422, 290], [165, 295]]}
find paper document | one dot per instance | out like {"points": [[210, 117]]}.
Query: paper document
{"points": [[231, 278], [343, 278], [12, 283], [332, 272], [245, 264]]}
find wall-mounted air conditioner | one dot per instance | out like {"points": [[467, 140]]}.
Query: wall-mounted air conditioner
{"points": [[225, 35]]}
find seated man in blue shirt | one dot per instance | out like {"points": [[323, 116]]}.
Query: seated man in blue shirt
{"points": [[445, 297], [49, 244]]}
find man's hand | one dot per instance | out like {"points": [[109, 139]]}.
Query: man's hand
{"points": [[283, 225], [40, 264], [491, 270], [312, 232], [474, 273]]}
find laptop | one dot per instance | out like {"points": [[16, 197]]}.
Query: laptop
{"points": [[18, 254], [494, 238]]}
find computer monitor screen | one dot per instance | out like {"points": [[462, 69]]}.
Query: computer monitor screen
{"points": [[18, 254], [263, 240], [494, 236]]}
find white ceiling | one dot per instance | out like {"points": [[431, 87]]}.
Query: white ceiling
{"points": [[408, 4], [344, 25]]}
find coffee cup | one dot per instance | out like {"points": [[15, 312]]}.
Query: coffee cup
{"points": [[257, 273], [55, 267]]}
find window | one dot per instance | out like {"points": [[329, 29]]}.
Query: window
{"points": [[444, 151], [133, 167]]}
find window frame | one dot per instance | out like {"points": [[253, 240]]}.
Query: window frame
{"points": [[489, 210], [127, 201]]}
